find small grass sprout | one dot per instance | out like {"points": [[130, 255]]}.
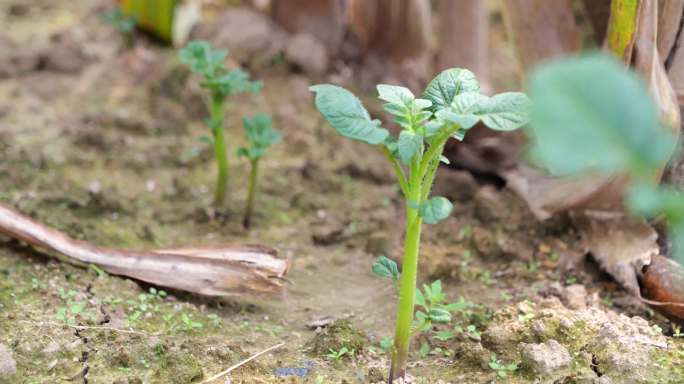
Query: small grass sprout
{"points": [[221, 83], [338, 355], [260, 135], [123, 23], [502, 370], [450, 105]]}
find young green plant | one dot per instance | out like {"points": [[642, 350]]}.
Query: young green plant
{"points": [[123, 23], [221, 83], [260, 135], [451, 104]]}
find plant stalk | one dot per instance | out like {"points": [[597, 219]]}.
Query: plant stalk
{"points": [[251, 194], [219, 149], [402, 337]]}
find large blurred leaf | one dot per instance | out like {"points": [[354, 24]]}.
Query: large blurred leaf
{"points": [[344, 112], [590, 113], [449, 83]]}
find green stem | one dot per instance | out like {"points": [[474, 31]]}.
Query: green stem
{"points": [[402, 337], [436, 148], [216, 123], [397, 170], [430, 177], [251, 194]]}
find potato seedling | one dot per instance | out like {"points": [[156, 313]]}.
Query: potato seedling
{"points": [[260, 135], [221, 83], [451, 104], [123, 23]]}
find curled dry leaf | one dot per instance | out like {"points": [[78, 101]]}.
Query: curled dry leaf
{"points": [[621, 245]]}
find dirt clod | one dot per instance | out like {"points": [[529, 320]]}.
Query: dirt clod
{"points": [[8, 366], [544, 358], [489, 205], [307, 53], [455, 185], [340, 334]]}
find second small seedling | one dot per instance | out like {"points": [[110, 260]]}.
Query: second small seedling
{"points": [[260, 135], [123, 23], [221, 83]]}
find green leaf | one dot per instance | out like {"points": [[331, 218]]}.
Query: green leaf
{"points": [[503, 112], [420, 299], [395, 94], [424, 349], [591, 114], [439, 315], [451, 82], [386, 343], [234, 82], [444, 335], [506, 111], [436, 295], [260, 134], [464, 109], [344, 112], [408, 145], [202, 59], [386, 268], [408, 111], [435, 209]]}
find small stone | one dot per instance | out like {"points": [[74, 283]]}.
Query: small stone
{"points": [[545, 358], [64, 54], [306, 52], [8, 366], [543, 249], [602, 380], [377, 244], [539, 328], [575, 296], [328, 233], [52, 348], [489, 205], [455, 185], [485, 243], [251, 36]]}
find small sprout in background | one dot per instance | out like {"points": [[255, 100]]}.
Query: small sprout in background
{"points": [[450, 105], [214, 319], [386, 343], [607, 300], [260, 135], [123, 23], [502, 370], [221, 83], [424, 349], [338, 355], [189, 324], [387, 269]]}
